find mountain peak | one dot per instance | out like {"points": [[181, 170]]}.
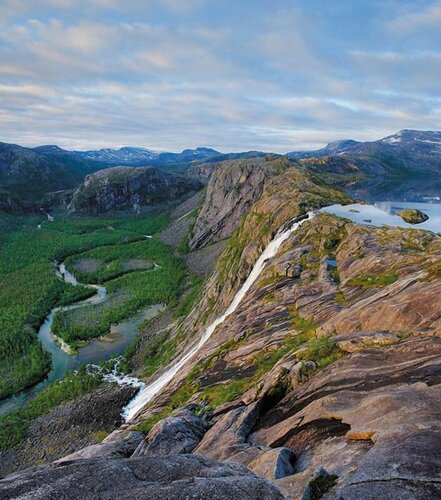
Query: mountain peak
{"points": [[201, 150], [49, 148]]}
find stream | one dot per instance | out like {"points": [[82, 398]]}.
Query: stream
{"points": [[115, 342]]}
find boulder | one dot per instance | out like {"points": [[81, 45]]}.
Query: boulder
{"points": [[174, 435], [229, 436], [413, 216], [289, 269]]}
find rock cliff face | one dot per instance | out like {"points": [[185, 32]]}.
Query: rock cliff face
{"points": [[234, 187], [131, 189]]}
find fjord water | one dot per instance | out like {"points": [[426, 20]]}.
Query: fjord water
{"points": [[120, 337], [146, 394], [384, 213]]}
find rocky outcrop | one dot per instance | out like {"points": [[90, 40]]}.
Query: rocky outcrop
{"points": [[357, 341], [177, 477], [367, 419], [413, 216], [130, 189], [233, 188], [202, 172]]}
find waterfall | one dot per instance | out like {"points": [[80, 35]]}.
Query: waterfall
{"points": [[146, 394]]}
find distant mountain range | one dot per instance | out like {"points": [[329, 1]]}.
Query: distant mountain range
{"points": [[28, 174], [132, 156], [407, 150], [136, 157], [405, 165]]}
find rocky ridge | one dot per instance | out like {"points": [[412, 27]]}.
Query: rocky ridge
{"points": [[235, 187]]}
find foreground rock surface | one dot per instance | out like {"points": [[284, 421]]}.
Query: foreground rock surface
{"points": [[178, 477], [338, 363]]}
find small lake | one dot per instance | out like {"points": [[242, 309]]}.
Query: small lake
{"points": [[116, 342], [383, 213]]}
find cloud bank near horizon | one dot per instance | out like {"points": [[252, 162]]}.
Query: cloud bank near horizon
{"points": [[234, 76]]}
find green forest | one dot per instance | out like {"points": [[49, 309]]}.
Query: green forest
{"points": [[29, 287]]}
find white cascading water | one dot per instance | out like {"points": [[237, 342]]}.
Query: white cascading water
{"points": [[146, 394]]}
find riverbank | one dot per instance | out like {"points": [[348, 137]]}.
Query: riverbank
{"points": [[33, 286]]}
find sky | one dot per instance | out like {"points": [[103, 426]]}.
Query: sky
{"points": [[233, 75]]}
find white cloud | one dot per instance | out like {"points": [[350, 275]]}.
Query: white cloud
{"points": [[250, 75], [417, 18]]}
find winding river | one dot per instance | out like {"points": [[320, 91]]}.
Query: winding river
{"points": [[115, 342]]}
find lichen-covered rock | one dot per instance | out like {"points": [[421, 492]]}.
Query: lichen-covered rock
{"points": [[172, 477], [361, 340]]}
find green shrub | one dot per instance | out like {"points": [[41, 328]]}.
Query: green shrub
{"points": [[366, 281]]}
